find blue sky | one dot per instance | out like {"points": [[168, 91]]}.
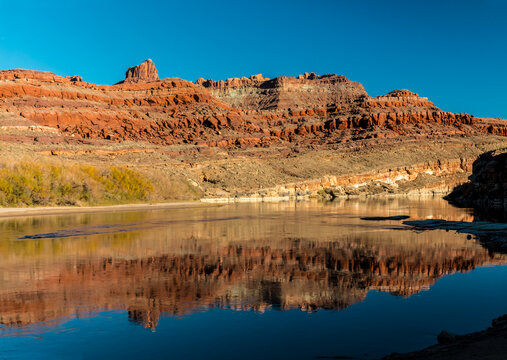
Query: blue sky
{"points": [[454, 52]]}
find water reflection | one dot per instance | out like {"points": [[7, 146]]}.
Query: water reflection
{"points": [[306, 256]]}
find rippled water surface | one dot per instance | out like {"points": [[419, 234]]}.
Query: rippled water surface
{"points": [[285, 280]]}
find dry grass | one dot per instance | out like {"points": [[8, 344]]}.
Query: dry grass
{"points": [[28, 183]]}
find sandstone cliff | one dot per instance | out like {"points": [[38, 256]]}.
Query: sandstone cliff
{"points": [[246, 112], [144, 72]]}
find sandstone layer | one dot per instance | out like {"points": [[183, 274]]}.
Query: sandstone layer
{"points": [[248, 112]]}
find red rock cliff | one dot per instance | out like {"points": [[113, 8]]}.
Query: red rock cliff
{"points": [[144, 72], [242, 112]]}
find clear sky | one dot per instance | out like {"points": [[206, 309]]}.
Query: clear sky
{"points": [[454, 52]]}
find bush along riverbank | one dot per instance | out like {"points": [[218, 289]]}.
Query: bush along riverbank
{"points": [[28, 183]]}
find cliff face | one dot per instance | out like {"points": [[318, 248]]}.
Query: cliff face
{"points": [[144, 72], [157, 112], [283, 94], [329, 108], [246, 112]]}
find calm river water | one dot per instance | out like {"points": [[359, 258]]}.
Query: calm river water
{"points": [[248, 281]]}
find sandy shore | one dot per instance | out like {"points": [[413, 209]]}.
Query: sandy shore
{"points": [[56, 210]]}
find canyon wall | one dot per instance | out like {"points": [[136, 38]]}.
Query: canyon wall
{"points": [[246, 112]]}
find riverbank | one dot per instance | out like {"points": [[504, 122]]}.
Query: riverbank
{"points": [[103, 173], [46, 182], [487, 344]]}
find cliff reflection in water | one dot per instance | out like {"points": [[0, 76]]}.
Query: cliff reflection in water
{"points": [[172, 262]]}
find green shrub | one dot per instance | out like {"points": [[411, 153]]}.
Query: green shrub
{"points": [[30, 184]]}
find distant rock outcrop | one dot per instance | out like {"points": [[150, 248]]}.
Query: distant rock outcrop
{"points": [[74, 78], [231, 82], [144, 72]]}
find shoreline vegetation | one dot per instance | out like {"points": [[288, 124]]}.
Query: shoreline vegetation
{"points": [[37, 184]]}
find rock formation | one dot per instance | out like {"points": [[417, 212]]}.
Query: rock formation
{"points": [[487, 187], [235, 113], [144, 72], [74, 78]]}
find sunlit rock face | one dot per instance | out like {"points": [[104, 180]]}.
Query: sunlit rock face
{"points": [[280, 256], [234, 113], [146, 71]]}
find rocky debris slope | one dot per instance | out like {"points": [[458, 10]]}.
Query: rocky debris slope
{"points": [[487, 187], [418, 166]]}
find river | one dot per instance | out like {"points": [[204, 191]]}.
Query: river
{"points": [[298, 280]]}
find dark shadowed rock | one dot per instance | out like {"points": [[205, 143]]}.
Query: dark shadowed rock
{"points": [[75, 78], [492, 235], [446, 337], [486, 344], [487, 187]]}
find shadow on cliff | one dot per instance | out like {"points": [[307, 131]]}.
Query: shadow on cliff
{"points": [[486, 191]]}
